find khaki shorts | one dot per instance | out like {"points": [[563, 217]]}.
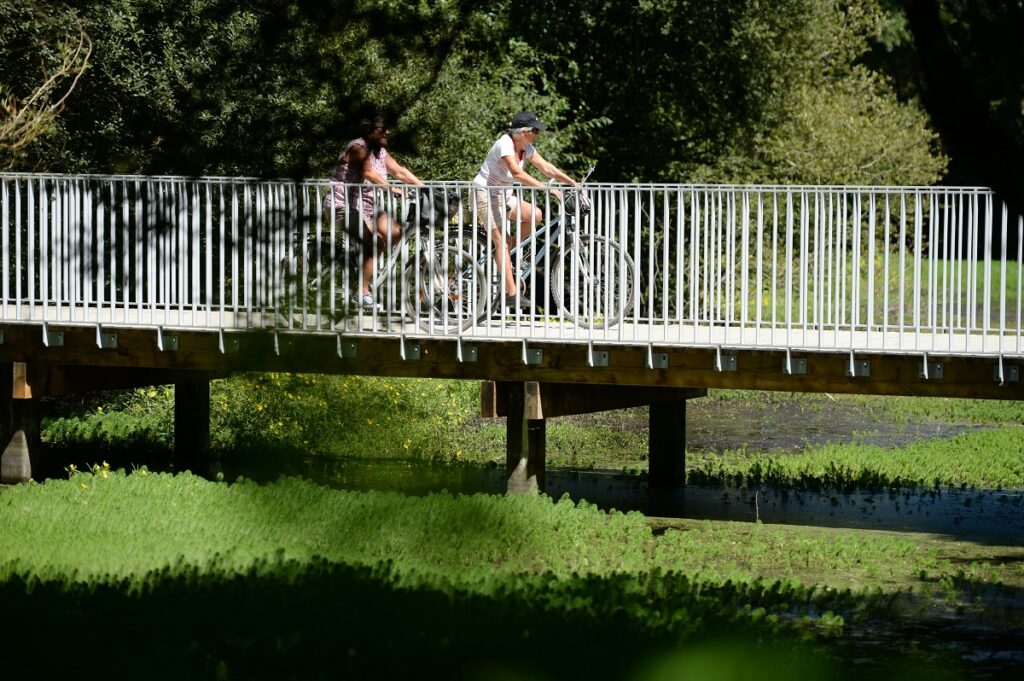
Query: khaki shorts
{"points": [[492, 207]]}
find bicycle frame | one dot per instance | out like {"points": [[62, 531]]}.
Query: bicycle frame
{"points": [[591, 287], [531, 252], [327, 279]]}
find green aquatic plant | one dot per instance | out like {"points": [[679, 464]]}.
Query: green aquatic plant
{"points": [[989, 459]]}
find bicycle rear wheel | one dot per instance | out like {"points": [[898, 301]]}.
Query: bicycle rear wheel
{"points": [[592, 281], [312, 297], [444, 294]]}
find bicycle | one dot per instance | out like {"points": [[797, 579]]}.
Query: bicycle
{"points": [[320, 277], [591, 275]]}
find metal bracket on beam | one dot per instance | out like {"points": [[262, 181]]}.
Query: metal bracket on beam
{"points": [[656, 360], [408, 352], [532, 355], [283, 345], [858, 368], [930, 370], [346, 349], [465, 353], [724, 362], [226, 343], [596, 358], [165, 343], [794, 365], [52, 339], [105, 339], [1005, 373]]}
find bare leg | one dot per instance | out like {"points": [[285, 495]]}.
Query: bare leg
{"points": [[386, 227], [504, 262], [528, 216]]}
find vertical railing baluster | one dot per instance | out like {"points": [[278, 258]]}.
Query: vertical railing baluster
{"points": [[45, 230], [829, 265], [855, 228], [666, 272], [5, 227], [154, 196], [30, 243], [986, 295], [1003, 247], [947, 268], [193, 248], [933, 263], [872, 226], [804, 251], [903, 267], [1020, 280], [775, 262], [918, 225], [744, 263], [17, 246], [125, 253], [208, 244], [789, 266]]}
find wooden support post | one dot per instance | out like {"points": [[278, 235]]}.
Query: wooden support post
{"points": [[192, 426], [527, 407], [666, 444], [19, 425], [525, 438]]}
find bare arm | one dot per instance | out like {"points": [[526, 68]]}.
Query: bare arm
{"points": [[549, 169], [520, 175], [401, 173]]}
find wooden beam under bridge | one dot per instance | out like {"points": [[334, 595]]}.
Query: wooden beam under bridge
{"points": [[559, 362], [22, 385], [528, 404]]}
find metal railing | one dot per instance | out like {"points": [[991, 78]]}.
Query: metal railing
{"points": [[879, 269]]}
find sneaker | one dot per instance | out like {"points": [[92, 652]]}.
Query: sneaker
{"points": [[514, 301], [366, 302]]}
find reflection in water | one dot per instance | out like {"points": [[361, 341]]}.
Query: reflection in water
{"points": [[978, 515]]}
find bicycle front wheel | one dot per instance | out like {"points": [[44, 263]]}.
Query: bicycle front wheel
{"points": [[592, 281], [444, 294]]}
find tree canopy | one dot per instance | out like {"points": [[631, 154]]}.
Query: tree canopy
{"points": [[653, 90], [971, 78]]}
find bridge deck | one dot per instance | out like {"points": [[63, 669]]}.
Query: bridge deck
{"points": [[511, 350], [533, 328]]}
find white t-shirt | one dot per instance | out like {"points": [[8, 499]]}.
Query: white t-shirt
{"points": [[494, 173]]}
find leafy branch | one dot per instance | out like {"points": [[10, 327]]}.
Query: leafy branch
{"points": [[23, 120]]}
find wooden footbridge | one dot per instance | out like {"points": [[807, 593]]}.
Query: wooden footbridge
{"points": [[662, 292]]}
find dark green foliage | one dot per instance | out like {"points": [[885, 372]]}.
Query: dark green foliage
{"points": [[178, 577], [664, 90], [971, 57], [271, 88], [738, 91], [284, 619], [216, 87]]}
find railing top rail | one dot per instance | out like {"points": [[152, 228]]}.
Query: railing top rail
{"points": [[780, 188]]}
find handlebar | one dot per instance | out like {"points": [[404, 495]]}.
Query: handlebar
{"points": [[431, 206]]}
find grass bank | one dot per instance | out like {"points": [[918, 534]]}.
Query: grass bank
{"points": [[294, 580]]}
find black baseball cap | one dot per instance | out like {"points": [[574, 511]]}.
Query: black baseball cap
{"points": [[527, 119]]}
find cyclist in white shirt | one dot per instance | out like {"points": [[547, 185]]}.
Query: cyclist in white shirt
{"points": [[494, 198]]}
